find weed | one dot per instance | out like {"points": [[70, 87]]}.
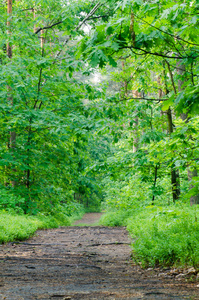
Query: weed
{"points": [[165, 236], [15, 227]]}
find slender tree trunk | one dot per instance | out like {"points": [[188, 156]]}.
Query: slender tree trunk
{"points": [[34, 17], [174, 174], [154, 184], [135, 132], [9, 11], [28, 172], [12, 144], [136, 94], [175, 178], [181, 71], [42, 40], [160, 95]]}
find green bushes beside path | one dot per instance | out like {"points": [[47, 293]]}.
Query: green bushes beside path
{"points": [[164, 236], [19, 227]]}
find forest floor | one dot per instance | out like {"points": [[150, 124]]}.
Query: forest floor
{"points": [[84, 262]]}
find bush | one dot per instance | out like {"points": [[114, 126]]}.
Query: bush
{"points": [[117, 218], [165, 236], [15, 227], [10, 202]]}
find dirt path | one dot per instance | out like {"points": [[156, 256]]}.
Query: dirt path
{"points": [[90, 219], [82, 263]]}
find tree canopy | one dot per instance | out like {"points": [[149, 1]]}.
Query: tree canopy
{"points": [[98, 99]]}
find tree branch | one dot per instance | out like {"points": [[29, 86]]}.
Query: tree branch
{"points": [[171, 76], [91, 13], [146, 99], [38, 88], [27, 9], [176, 37], [97, 17], [156, 53], [48, 27]]}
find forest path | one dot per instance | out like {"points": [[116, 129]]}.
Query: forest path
{"points": [[89, 219], [82, 263]]}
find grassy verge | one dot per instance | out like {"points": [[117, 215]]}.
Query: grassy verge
{"points": [[116, 218], [164, 236], [20, 227]]}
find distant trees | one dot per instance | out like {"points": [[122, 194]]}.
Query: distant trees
{"points": [[44, 120], [159, 42]]}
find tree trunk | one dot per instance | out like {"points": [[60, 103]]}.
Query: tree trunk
{"points": [[136, 138], [175, 178], [9, 11], [10, 98], [181, 70], [136, 94], [154, 184]]}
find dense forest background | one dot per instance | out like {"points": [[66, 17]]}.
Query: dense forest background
{"points": [[99, 107]]}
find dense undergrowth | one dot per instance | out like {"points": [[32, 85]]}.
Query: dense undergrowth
{"points": [[17, 224], [19, 227], [163, 236]]}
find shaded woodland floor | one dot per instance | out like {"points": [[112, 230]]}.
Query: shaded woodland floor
{"points": [[83, 262]]}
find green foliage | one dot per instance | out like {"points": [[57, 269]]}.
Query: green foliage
{"points": [[157, 66], [117, 218], [10, 202], [165, 236], [79, 142], [14, 227], [42, 101]]}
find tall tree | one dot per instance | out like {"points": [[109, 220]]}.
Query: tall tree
{"points": [[12, 143]]}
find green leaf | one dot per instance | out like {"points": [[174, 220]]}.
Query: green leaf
{"points": [[167, 104], [180, 97], [112, 62]]}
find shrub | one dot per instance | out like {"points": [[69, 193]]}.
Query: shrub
{"points": [[165, 236], [11, 202], [15, 227], [117, 218]]}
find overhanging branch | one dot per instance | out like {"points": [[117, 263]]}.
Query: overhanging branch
{"points": [[156, 53], [142, 98], [91, 13], [166, 32], [98, 17], [47, 27]]}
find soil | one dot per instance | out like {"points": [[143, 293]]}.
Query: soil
{"points": [[84, 262]]}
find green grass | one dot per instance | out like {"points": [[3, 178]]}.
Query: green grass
{"points": [[20, 227], [116, 218], [164, 236]]}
